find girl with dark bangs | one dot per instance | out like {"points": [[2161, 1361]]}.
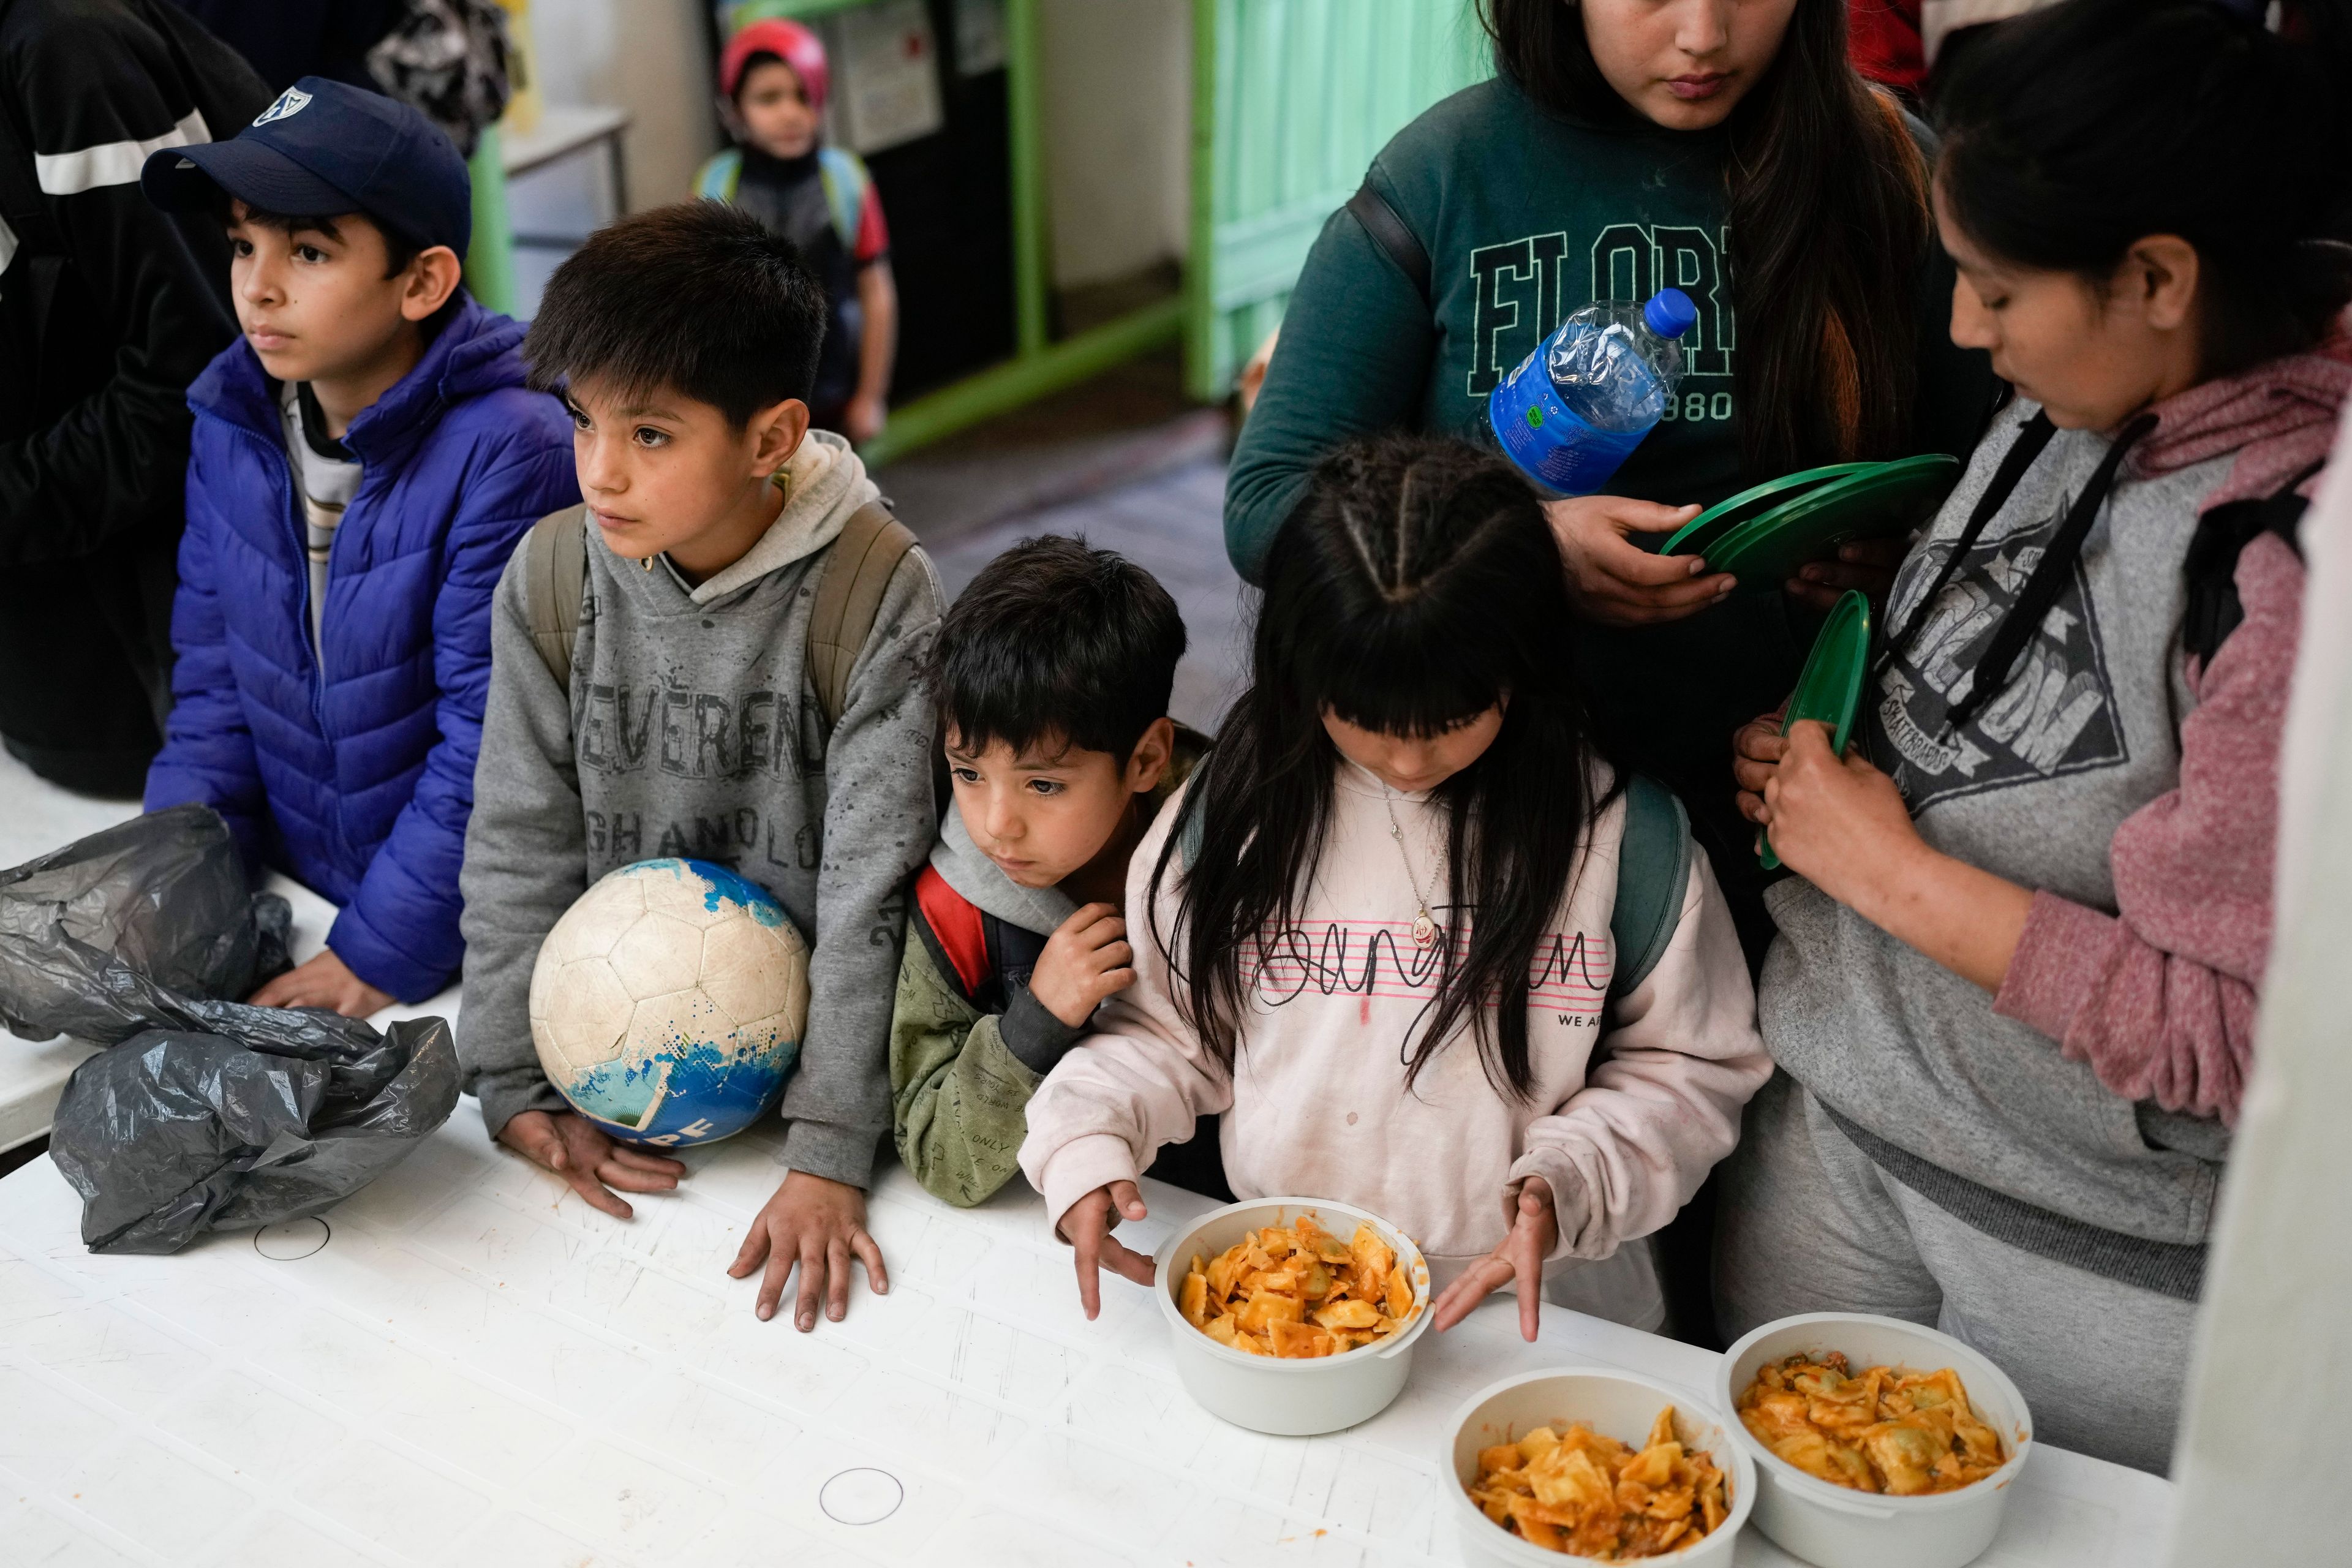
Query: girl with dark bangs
{"points": [[1725, 147], [1380, 925]]}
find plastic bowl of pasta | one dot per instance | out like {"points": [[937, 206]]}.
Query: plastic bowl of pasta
{"points": [[1551, 1466], [1927, 1433], [1292, 1316]]}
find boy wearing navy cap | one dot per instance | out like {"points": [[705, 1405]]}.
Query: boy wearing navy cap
{"points": [[364, 460]]}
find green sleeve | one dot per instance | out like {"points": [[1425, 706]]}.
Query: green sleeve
{"points": [[1354, 359], [958, 1094]]}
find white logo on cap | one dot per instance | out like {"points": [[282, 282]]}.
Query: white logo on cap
{"points": [[293, 101]]}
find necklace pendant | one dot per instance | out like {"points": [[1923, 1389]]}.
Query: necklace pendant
{"points": [[1424, 929]]}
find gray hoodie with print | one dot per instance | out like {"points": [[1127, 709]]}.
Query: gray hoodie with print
{"points": [[692, 728], [1979, 1113]]}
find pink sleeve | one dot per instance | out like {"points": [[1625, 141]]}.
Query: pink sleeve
{"points": [[2159, 998]]}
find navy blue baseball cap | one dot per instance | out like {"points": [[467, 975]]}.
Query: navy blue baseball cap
{"points": [[325, 148]]}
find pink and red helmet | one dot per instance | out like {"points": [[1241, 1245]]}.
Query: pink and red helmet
{"points": [[790, 42]]}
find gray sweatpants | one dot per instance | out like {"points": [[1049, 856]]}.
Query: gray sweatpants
{"points": [[1807, 1224]]}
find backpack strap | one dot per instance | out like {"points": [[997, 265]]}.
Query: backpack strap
{"points": [[956, 929], [844, 176], [2214, 609], [719, 177], [856, 573], [555, 581], [1390, 234], [1653, 865]]}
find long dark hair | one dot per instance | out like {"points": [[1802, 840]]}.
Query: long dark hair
{"points": [[1414, 587], [2071, 134], [1828, 220]]}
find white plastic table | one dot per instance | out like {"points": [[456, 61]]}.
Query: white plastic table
{"points": [[464, 1364]]}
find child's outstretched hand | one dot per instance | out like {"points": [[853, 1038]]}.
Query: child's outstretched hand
{"points": [[1534, 1229], [1084, 961], [566, 1145], [1087, 1228], [819, 1225], [326, 982]]}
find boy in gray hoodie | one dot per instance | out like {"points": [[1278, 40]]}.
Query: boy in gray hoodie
{"points": [[694, 711]]}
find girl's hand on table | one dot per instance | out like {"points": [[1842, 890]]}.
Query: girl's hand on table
{"points": [[1520, 1260], [1087, 1228], [1615, 581]]}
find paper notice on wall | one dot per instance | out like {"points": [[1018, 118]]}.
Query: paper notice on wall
{"points": [[980, 36], [885, 74]]}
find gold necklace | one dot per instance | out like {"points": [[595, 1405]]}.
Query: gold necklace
{"points": [[1424, 924]]}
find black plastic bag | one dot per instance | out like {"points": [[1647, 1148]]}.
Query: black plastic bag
{"points": [[160, 902], [202, 1114], [229, 1116]]}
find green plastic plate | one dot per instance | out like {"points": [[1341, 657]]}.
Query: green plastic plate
{"points": [[1694, 536], [1882, 501], [1829, 687]]}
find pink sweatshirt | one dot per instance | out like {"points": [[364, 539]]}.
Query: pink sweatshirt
{"points": [[1320, 1108], [2158, 997]]}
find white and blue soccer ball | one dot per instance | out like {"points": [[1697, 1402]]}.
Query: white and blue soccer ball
{"points": [[668, 1002]]}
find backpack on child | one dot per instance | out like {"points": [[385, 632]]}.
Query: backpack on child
{"points": [[856, 569]]}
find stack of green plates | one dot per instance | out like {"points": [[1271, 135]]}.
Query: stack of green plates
{"points": [[1763, 536], [1830, 689]]}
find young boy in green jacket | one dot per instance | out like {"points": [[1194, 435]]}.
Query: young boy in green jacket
{"points": [[1052, 674]]}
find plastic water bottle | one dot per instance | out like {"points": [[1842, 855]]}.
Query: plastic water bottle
{"points": [[1579, 405]]}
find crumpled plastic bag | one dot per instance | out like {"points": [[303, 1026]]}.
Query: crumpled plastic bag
{"points": [[159, 904], [231, 1117], [202, 1113]]}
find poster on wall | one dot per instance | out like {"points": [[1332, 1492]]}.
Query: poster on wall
{"points": [[885, 74]]}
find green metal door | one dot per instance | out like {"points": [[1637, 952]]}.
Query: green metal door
{"points": [[1291, 98]]}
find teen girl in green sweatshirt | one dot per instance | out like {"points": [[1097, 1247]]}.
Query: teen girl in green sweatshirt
{"points": [[1725, 149]]}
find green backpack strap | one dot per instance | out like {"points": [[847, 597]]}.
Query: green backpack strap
{"points": [[1654, 865], [850, 584], [555, 581], [857, 572]]}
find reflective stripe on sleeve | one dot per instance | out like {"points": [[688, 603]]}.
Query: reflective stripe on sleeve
{"points": [[115, 162]]}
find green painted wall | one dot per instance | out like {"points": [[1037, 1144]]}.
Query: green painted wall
{"points": [[1292, 98]]}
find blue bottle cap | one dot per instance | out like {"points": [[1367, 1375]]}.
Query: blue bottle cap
{"points": [[1670, 312]]}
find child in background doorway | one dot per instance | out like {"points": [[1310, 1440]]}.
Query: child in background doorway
{"points": [[1378, 931], [1052, 676], [772, 80]]}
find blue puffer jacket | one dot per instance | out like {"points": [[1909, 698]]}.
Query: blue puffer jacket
{"points": [[354, 770]]}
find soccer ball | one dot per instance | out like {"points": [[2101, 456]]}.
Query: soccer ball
{"points": [[667, 1003]]}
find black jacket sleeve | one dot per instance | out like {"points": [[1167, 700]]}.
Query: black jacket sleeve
{"points": [[108, 308]]}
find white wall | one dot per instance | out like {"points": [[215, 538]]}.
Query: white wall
{"points": [[1118, 89], [649, 57]]}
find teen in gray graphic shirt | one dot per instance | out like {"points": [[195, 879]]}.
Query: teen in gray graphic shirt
{"points": [[683, 340]]}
